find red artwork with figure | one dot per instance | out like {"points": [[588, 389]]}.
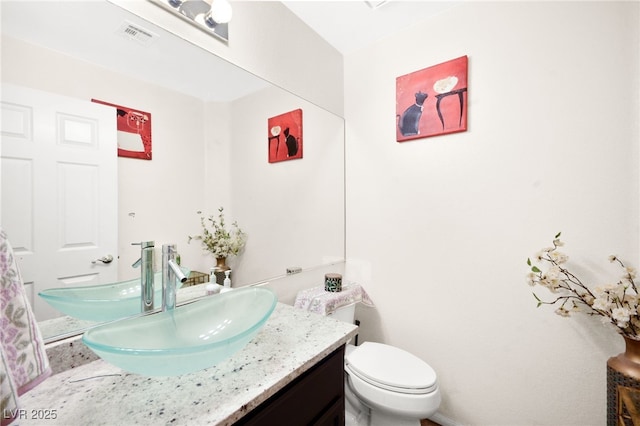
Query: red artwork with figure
{"points": [[432, 101], [285, 136], [134, 131]]}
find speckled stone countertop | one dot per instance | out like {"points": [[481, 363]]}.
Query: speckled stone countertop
{"points": [[291, 342]]}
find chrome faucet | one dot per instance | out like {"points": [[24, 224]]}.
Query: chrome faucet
{"points": [[146, 274], [170, 272]]}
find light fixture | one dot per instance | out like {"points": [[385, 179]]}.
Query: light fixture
{"points": [[211, 16], [220, 11]]}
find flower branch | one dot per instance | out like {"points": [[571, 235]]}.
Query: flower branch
{"points": [[616, 304], [220, 241]]}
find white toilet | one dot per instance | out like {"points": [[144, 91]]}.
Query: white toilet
{"points": [[385, 385]]}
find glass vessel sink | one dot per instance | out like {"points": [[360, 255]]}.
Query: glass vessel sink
{"points": [[104, 302], [190, 338]]}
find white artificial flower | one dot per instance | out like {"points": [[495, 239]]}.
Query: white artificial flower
{"points": [[619, 291], [599, 291], [553, 284], [601, 304], [558, 257], [604, 289], [631, 302], [631, 272], [576, 308], [621, 316], [553, 272]]}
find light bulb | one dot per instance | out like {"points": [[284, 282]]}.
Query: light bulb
{"points": [[220, 11]]}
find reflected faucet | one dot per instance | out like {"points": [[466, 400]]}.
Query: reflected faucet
{"points": [[170, 272], [146, 274]]}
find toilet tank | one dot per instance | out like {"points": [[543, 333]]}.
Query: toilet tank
{"points": [[345, 313]]}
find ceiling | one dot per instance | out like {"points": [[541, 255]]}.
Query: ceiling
{"points": [[61, 26], [352, 25]]}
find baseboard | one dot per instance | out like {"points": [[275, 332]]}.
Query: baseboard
{"points": [[443, 420]]}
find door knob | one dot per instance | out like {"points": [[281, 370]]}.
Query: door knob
{"points": [[104, 259]]}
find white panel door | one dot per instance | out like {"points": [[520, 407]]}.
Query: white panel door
{"points": [[59, 190]]}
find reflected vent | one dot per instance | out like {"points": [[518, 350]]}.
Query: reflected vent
{"points": [[137, 33], [376, 4]]}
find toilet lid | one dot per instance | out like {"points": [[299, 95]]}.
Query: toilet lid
{"points": [[391, 368]]}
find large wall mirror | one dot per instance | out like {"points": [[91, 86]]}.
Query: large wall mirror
{"points": [[210, 140]]}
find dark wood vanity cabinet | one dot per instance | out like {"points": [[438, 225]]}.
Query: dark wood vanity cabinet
{"points": [[314, 398]]}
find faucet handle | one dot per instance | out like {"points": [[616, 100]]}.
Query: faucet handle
{"points": [[144, 244]]}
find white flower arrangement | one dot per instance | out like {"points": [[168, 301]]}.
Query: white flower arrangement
{"points": [[219, 241], [617, 304]]}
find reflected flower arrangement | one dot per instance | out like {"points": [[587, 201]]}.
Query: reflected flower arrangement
{"points": [[217, 239]]}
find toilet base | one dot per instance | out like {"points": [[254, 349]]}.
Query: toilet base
{"points": [[379, 418], [355, 419], [355, 413], [358, 414]]}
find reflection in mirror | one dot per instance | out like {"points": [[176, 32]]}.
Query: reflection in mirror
{"points": [[210, 149], [105, 302], [211, 17]]}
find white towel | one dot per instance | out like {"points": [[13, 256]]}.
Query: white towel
{"points": [[320, 301], [23, 360]]}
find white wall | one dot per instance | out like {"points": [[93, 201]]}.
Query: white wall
{"points": [[439, 229], [296, 207]]}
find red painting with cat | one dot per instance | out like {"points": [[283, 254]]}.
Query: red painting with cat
{"points": [[432, 101], [285, 136]]}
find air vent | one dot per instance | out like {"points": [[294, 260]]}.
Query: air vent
{"points": [[376, 4], [137, 33]]}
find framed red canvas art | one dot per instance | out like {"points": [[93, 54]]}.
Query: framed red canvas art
{"points": [[134, 131], [432, 101], [285, 136]]}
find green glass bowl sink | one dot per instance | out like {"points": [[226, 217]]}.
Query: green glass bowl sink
{"points": [[190, 338], [104, 302]]}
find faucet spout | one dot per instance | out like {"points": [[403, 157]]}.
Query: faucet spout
{"points": [[146, 274], [170, 273]]}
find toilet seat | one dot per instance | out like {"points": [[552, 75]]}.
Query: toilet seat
{"points": [[391, 368]]}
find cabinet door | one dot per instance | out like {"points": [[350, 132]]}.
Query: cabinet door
{"points": [[314, 398], [334, 416]]}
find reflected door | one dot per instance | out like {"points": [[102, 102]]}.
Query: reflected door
{"points": [[59, 190]]}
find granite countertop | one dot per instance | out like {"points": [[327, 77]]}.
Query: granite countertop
{"points": [[291, 342]]}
